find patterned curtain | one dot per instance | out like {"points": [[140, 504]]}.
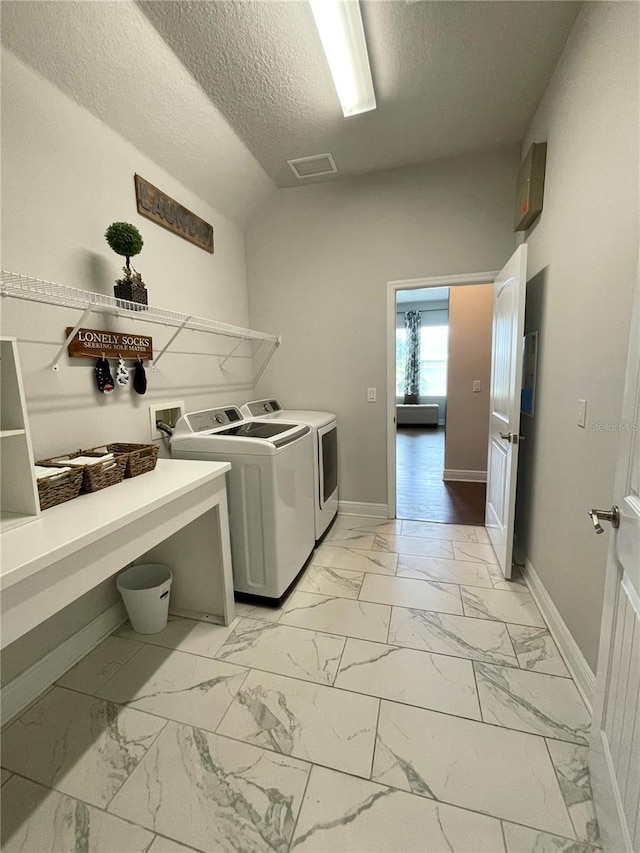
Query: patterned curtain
{"points": [[412, 322]]}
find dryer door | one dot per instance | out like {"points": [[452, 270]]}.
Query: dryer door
{"points": [[328, 464]]}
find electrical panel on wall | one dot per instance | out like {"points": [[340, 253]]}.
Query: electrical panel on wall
{"points": [[530, 190]]}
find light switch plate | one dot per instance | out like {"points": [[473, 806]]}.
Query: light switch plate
{"points": [[582, 413], [372, 395], [477, 386]]}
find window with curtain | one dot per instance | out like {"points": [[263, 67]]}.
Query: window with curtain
{"points": [[434, 347]]}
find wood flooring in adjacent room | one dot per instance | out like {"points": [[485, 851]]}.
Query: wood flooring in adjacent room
{"points": [[421, 492]]}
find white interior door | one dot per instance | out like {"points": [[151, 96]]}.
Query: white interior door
{"points": [[509, 292], [615, 739]]}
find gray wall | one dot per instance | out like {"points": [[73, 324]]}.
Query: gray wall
{"points": [[319, 258], [28, 650], [470, 321], [66, 176], [583, 253]]}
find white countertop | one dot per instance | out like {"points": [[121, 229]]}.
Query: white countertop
{"points": [[71, 526]]}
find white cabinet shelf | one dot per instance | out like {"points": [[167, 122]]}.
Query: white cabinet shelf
{"points": [[8, 520], [176, 515], [50, 293], [19, 501]]}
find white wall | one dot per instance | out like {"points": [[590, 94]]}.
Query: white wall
{"points": [[470, 323], [319, 258], [582, 258], [65, 177]]}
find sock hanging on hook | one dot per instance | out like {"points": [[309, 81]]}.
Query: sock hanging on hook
{"points": [[104, 379], [122, 377], [139, 378]]}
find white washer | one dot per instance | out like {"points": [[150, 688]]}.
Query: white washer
{"points": [[324, 427], [271, 515]]}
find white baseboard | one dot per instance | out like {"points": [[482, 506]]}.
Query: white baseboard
{"points": [[20, 692], [356, 508], [462, 476], [576, 662]]}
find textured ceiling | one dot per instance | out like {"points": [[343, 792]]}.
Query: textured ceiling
{"points": [[450, 77], [108, 58], [222, 93]]}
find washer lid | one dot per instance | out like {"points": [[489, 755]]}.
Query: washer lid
{"points": [[227, 429], [263, 429]]}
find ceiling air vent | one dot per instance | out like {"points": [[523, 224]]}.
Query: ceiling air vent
{"points": [[309, 167]]}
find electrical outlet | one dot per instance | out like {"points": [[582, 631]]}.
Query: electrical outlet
{"points": [[168, 413], [372, 395], [582, 413], [477, 386]]}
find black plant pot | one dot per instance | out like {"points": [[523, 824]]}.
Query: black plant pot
{"points": [[131, 292]]}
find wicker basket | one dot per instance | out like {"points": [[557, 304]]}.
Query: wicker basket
{"points": [[94, 477], [55, 489], [141, 458]]}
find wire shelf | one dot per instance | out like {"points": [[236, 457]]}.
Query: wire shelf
{"points": [[62, 295], [50, 293]]}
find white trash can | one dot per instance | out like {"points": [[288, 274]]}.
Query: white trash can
{"points": [[145, 592]]}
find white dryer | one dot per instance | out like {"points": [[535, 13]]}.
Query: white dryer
{"points": [[271, 504], [324, 428]]}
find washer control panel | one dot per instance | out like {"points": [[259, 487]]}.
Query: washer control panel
{"points": [[213, 418]]}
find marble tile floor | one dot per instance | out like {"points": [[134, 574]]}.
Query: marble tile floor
{"points": [[404, 698]]}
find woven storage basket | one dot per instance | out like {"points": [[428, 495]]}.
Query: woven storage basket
{"points": [[141, 458], [58, 488], [94, 477]]}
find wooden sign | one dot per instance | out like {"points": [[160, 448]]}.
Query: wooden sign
{"points": [[163, 210], [95, 342]]}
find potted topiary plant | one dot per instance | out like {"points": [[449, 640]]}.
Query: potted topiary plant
{"points": [[126, 240]]}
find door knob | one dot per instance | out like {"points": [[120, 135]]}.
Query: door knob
{"points": [[612, 515], [511, 437]]}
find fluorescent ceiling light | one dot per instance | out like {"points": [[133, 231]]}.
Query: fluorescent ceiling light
{"points": [[340, 26]]}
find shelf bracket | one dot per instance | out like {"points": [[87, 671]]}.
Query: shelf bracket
{"points": [[157, 357], [264, 364], [228, 356], [55, 365]]}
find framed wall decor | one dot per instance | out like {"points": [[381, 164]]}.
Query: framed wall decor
{"points": [[165, 211]]}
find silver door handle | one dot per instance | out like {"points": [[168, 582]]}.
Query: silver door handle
{"points": [[512, 437], [612, 515]]}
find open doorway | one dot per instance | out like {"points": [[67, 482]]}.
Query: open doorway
{"points": [[422, 349], [439, 403]]}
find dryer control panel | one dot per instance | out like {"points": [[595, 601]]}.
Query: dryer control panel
{"points": [[260, 408]]}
